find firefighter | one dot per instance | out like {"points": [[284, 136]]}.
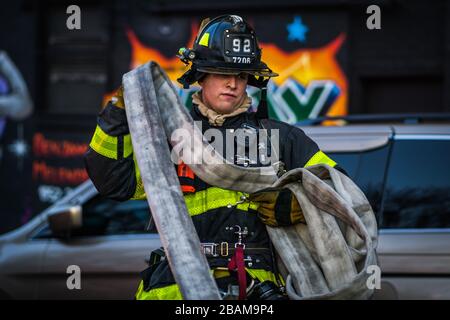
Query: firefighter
{"points": [[224, 60]]}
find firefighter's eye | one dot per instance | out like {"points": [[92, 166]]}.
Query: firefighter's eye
{"points": [[243, 76]]}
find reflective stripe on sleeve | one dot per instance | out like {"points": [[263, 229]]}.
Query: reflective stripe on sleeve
{"points": [[320, 158], [104, 144]]}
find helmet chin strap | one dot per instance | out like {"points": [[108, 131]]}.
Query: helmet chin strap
{"points": [[263, 111]]}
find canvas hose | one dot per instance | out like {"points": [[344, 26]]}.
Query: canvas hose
{"points": [[326, 258]]}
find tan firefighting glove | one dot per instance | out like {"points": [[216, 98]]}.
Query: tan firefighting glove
{"points": [[117, 98], [278, 207]]}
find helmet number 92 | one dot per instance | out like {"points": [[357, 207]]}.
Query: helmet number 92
{"points": [[237, 42]]}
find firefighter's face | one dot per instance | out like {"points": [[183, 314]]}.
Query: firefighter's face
{"points": [[223, 93]]}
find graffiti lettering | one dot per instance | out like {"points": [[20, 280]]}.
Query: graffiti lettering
{"points": [[43, 147], [56, 175], [51, 194]]}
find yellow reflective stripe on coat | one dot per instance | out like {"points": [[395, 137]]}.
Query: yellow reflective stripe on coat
{"points": [[104, 144], [213, 198], [127, 146], [263, 275], [171, 292], [139, 192], [320, 158]]}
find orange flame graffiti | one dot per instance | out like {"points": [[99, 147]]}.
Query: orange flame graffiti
{"points": [[305, 65], [141, 54]]}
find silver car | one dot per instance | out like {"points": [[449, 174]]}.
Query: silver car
{"points": [[403, 169], [105, 239]]}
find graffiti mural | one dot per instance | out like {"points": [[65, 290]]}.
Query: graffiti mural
{"points": [[311, 81], [57, 166], [310, 84]]}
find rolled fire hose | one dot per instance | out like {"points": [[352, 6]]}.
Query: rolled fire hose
{"points": [[326, 258]]}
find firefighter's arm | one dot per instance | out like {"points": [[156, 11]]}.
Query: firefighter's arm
{"points": [[109, 160]]}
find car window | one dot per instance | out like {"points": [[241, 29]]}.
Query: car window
{"points": [[367, 170], [418, 185], [108, 217]]}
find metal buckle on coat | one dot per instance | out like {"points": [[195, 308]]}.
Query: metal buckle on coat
{"points": [[224, 249], [215, 249], [210, 248]]}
